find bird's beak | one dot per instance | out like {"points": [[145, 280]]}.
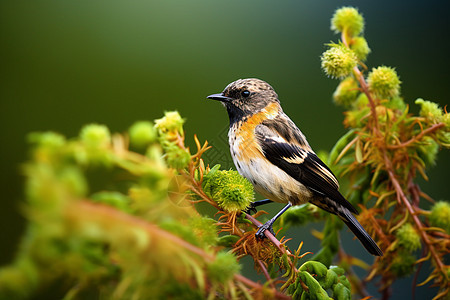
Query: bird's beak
{"points": [[220, 97]]}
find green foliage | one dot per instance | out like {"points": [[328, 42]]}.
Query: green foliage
{"points": [[316, 281]]}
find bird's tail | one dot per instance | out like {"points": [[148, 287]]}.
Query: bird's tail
{"points": [[360, 233]]}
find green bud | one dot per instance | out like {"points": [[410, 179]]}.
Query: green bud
{"points": [[362, 101], [347, 19], [338, 61], [176, 157], [230, 190], [142, 133], [95, 135], [360, 47], [428, 150], [46, 139], [384, 82], [171, 122], [403, 264], [222, 269], [446, 120], [346, 92], [440, 215], [47, 145], [408, 238], [396, 103], [430, 110]]}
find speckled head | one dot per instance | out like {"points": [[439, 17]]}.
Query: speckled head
{"points": [[245, 97]]}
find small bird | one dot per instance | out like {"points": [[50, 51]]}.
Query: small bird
{"points": [[273, 154]]}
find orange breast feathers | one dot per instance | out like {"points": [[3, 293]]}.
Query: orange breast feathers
{"points": [[247, 145]]}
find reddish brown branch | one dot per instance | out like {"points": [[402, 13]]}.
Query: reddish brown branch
{"points": [[417, 137], [414, 216]]}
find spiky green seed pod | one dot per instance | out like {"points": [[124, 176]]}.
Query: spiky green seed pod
{"points": [[347, 19], [360, 47], [384, 82], [229, 189], [338, 61], [346, 92], [142, 133], [223, 268], [408, 238], [95, 136], [440, 215]]}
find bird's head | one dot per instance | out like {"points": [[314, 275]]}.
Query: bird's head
{"points": [[245, 97]]}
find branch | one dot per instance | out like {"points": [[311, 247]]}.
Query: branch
{"points": [[417, 137]]}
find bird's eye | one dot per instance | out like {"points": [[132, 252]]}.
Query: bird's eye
{"points": [[245, 93]]}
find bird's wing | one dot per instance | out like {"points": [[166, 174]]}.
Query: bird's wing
{"points": [[300, 162]]}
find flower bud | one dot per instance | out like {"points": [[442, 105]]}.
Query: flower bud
{"points": [[408, 238], [347, 19], [430, 110], [142, 133], [171, 122], [384, 82], [95, 135], [346, 92], [338, 61], [230, 190], [360, 47], [440, 215]]}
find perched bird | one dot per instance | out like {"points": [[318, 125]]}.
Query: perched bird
{"points": [[273, 154]]}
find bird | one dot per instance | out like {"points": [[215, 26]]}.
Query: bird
{"points": [[270, 151]]}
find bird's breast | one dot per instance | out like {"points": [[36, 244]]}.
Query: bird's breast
{"points": [[267, 179]]}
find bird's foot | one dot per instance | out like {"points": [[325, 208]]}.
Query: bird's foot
{"points": [[260, 233], [252, 207]]}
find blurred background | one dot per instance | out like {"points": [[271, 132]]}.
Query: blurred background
{"points": [[68, 63]]}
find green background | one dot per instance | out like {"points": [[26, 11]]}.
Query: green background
{"points": [[68, 63]]}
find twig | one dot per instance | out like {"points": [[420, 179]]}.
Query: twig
{"points": [[417, 137]]}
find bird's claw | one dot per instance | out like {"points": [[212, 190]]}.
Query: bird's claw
{"points": [[251, 209], [260, 233]]}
